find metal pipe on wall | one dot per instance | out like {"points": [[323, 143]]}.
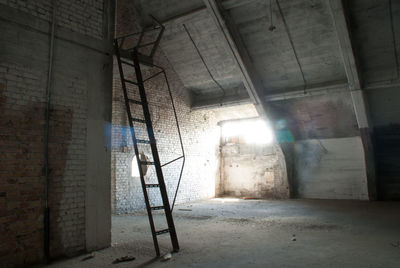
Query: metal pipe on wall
{"points": [[46, 143]]}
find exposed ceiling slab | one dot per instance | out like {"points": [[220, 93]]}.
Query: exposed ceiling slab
{"points": [[302, 55], [313, 37], [182, 54], [196, 50]]}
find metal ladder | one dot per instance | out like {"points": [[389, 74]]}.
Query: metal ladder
{"points": [[138, 59]]}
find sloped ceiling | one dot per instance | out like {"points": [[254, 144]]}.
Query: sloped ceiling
{"points": [[300, 52], [313, 36], [310, 27], [375, 26]]}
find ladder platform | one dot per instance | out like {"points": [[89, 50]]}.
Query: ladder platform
{"points": [[157, 208], [164, 231], [144, 59], [127, 63], [139, 120]]}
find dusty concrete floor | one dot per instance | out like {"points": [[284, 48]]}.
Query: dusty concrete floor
{"points": [[259, 233]]}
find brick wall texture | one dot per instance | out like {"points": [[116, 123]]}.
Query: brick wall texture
{"points": [[23, 77]]}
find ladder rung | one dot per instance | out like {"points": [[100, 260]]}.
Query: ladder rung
{"points": [[146, 163], [143, 141], [135, 101], [157, 208], [152, 185], [131, 82], [138, 120], [127, 63], [164, 231]]}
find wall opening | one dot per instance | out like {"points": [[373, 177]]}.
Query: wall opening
{"points": [[250, 131], [250, 164], [134, 168]]}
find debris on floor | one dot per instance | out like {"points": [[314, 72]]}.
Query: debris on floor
{"points": [[294, 237], [124, 259], [167, 257], [184, 209], [91, 256]]}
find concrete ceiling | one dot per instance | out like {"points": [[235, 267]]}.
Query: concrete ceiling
{"points": [[182, 53], [183, 56], [375, 26], [313, 35], [310, 34]]}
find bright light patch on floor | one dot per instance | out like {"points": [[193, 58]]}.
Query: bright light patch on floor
{"points": [[253, 131]]}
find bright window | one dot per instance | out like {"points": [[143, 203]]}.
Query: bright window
{"points": [[252, 131]]}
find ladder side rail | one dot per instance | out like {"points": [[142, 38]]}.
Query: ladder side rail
{"points": [[154, 150], [135, 146]]}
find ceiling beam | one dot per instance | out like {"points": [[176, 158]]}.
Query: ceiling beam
{"points": [[357, 94], [322, 89], [349, 62], [235, 45]]}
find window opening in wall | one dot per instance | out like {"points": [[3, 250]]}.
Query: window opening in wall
{"points": [[134, 167], [252, 131]]}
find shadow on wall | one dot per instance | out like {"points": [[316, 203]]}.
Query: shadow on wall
{"points": [[22, 177]]}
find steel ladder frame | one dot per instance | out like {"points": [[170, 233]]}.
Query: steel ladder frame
{"points": [[139, 59]]}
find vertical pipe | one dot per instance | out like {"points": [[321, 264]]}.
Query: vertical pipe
{"points": [[46, 143]]}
